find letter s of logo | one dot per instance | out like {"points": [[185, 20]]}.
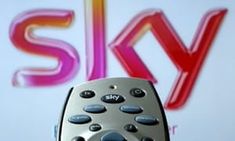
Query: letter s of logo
{"points": [[21, 36]]}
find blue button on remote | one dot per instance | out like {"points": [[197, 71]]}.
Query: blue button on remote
{"points": [[94, 108]]}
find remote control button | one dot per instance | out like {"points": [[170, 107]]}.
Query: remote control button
{"points": [[113, 98], [87, 94], [112, 136], [146, 119], [137, 92], [146, 139], [130, 128], [131, 109], [80, 119], [94, 127], [94, 108], [78, 139]]}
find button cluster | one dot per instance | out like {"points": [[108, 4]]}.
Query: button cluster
{"points": [[126, 108]]}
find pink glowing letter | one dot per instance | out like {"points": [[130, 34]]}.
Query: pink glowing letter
{"points": [[95, 39], [21, 35], [188, 61]]}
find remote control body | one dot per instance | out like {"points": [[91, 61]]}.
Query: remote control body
{"points": [[113, 109]]}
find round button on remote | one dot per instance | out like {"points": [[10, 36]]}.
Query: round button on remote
{"points": [[94, 108], [79, 119], [112, 136], [130, 128], [131, 109], [87, 94], [112, 98], [94, 127], [146, 119], [146, 139], [78, 139], [137, 92]]}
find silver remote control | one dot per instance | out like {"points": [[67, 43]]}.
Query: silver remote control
{"points": [[113, 109]]}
